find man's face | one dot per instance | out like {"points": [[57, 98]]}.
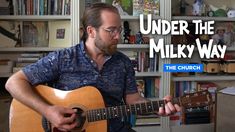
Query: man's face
{"points": [[108, 34]]}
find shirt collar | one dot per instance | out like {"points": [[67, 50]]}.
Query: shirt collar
{"points": [[82, 46]]}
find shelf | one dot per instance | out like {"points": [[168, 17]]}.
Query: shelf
{"points": [[148, 74], [205, 78], [230, 49], [28, 49], [133, 46], [139, 74], [137, 17], [34, 17], [5, 74], [202, 18]]}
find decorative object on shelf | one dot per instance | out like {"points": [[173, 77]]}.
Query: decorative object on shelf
{"points": [[117, 4], [231, 13], [212, 66], [127, 31], [145, 39], [59, 34], [183, 6], [230, 33], [151, 7], [35, 34], [229, 66], [198, 7], [132, 39], [140, 86], [139, 38], [221, 38], [218, 12], [146, 7], [210, 13], [204, 38], [9, 33], [138, 7]]}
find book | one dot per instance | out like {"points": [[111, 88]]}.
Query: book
{"points": [[4, 7], [151, 7], [59, 34], [138, 7], [228, 90]]}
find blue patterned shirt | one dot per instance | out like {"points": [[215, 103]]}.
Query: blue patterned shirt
{"points": [[71, 68]]}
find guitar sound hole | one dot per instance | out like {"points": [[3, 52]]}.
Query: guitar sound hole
{"points": [[80, 118]]}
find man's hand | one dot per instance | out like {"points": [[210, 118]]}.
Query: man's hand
{"points": [[58, 117], [169, 107]]}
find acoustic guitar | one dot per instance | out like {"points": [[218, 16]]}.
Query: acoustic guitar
{"points": [[91, 111]]}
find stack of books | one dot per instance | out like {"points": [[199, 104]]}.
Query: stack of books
{"points": [[26, 59]]}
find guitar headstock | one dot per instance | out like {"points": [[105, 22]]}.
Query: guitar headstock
{"points": [[197, 99]]}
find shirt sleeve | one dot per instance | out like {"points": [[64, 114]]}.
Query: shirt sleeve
{"points": [[45, 70]]}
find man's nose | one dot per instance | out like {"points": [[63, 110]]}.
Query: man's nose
{"points": [[117, 36]]}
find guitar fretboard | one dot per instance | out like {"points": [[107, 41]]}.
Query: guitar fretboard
{"points": [[126, 110]]}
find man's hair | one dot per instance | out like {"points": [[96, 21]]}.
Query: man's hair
{"points": [[92, 16]]}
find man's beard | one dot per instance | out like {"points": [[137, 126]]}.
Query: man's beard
{"points": [[108, 49]]}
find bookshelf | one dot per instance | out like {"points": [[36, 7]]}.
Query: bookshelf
{"points": [[24, 15], [11, 53], [220, 79]]}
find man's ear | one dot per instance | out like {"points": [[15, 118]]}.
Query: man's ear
{"points": [[91, 31]]}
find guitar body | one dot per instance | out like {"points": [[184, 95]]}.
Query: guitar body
{"points": [[24, 119]]}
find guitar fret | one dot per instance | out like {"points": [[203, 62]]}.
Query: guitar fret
{"points": [[125, 109], [133, 109], [146, 107], [105, 113], [142, 108], [98, 114], [110, 112], [93, 115], [128, 111], [115, 112], [120, 107], [101, 114], [138, 108], [152, 106], [162, 103], [155, 105], [95, 118], [119, 111], [158, 104], [88, 116]]}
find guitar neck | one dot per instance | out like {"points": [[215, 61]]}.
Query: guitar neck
{"points": [[126, 110]]}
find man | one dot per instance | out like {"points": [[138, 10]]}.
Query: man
{"points": [[94, 62]]}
